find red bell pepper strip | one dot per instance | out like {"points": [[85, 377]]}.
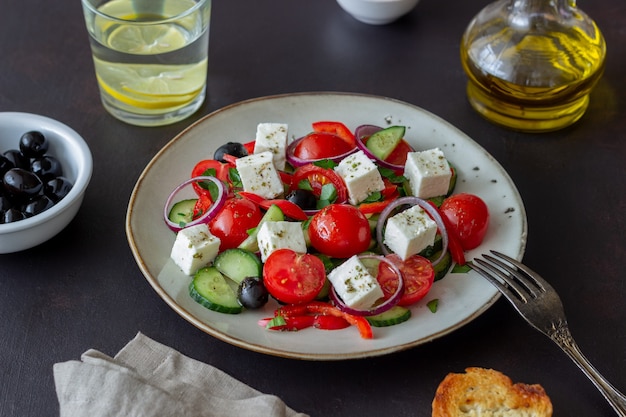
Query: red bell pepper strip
{"points": [[326, 322], [319, 307], [375, 207], [286, 178], [203, 204], [454, 244], [336, 128], [288, 208], [294, 323], [249, 147], [230, 159]]}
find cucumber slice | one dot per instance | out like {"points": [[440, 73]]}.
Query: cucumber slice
{"points": [[395, 315], [272, 214], [383, 142], [210, 289], [181, 213], [238, 264]]}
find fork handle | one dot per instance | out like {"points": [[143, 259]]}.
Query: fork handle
{"points": [[563, 338]]}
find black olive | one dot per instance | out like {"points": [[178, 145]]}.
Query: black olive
{"points": [[12, 215], [5, 164], [46, 167], [31, 181], [305, 199], [17, 158], [57, 188], [5, 203], [235, 149], [252, 293], [33, 144], [22, 184], [37, 206]]}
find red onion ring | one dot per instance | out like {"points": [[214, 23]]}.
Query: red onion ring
{"points": [[297, 162], [365, 131], [409, 200], [208, 215], [381, 308]]}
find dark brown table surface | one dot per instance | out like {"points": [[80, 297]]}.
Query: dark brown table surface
{"points": [[82, 289]]}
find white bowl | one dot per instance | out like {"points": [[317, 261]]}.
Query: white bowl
{"points": [[72, 151], [377, 12]]}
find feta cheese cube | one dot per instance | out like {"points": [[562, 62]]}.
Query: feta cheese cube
{"points": [[194, 248], [355, 285], [259, 175], [278, 235], [409, 232], [272, 137], [360, 175], [428, 173]]}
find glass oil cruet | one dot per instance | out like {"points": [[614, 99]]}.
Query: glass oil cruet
{"points": [[531, 64]]}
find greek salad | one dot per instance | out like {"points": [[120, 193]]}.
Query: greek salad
{"points": [[340, 227]]}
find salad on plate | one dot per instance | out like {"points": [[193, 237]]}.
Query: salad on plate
{"points": [[338, 227]]}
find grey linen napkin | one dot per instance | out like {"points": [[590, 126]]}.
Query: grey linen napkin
{"points": [[147, 379]]}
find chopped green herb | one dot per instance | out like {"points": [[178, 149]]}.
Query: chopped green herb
{"points": [[432, 305], [460, 269], [235, 179], [391, 175], [438, 201], [276, 322], [305, 185], [325, 163], [372, 198]]}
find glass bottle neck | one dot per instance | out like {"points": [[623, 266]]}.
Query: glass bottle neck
{"points": [[530, 13]]}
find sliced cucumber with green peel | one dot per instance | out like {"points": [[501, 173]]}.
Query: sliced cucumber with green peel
{"points": [[181, 213], [274, 214], [210, 289], [238, 264], [383, 142], [395, 315]]}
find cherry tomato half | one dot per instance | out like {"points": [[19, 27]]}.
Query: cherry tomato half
{"points": [[209, 167], [418, 275], [340, 231], [292, 277], [232, 222], [468, 216], [317, 177], [399, 153], [321, 145]]}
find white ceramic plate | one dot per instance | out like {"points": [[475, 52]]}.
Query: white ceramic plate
{"points": [[462, 297]]}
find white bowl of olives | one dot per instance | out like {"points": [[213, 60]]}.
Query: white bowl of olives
{"points": [[45, 167]]}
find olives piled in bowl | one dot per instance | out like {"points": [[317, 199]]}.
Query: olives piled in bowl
{"points": [[45, 167], [32, 180]]}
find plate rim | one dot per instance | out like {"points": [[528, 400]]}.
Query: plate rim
{"points": [[273, 351]]}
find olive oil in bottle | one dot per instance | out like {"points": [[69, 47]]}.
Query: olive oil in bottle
{"points": [[531, 64]]}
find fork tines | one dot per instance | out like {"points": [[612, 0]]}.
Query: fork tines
{"points": [[512, 276]]}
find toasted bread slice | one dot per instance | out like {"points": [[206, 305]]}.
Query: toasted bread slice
{"points": [[488, 393]]}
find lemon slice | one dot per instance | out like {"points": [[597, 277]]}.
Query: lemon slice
{"points": [[146, 40], [152, 86]]}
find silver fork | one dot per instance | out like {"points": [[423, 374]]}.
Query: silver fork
{"points": [[541, 306]]}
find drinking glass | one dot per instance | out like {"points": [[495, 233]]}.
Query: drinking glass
{"points": [[150, 57]]}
